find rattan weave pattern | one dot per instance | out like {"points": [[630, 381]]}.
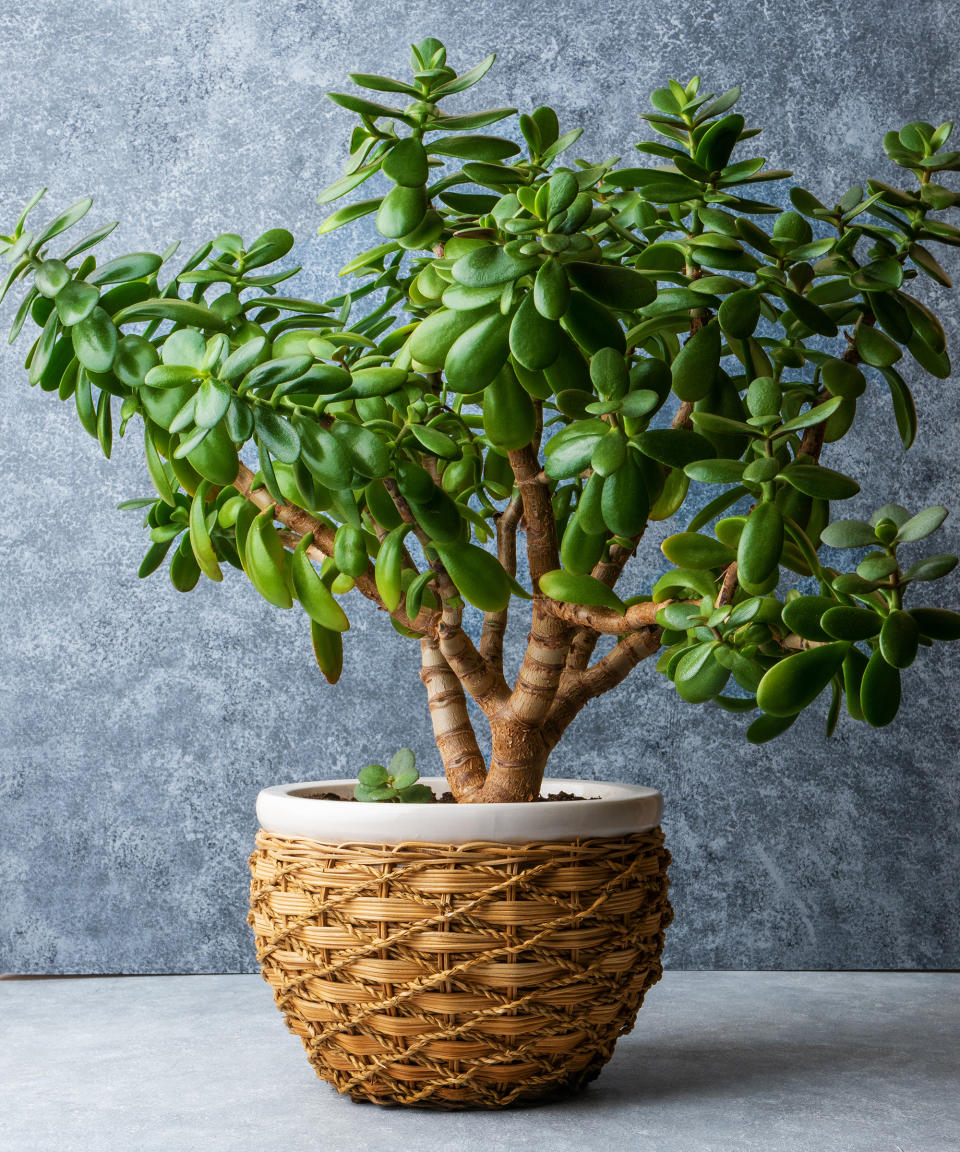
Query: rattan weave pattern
{"points": [[468, 976]]}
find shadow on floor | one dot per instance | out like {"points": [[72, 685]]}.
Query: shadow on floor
{"points": [[670, 1070]]}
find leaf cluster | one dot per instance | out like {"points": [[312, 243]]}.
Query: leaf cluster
{"points": [[644, 328], [397, 783]]}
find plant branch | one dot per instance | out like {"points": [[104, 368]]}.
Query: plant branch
{"points": [[481, 679], [495, 623], [455, 738], [543, 552], [301, 522], [579, 689], [606, 621]]}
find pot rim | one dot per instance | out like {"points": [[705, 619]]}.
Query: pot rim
{"points": [[610, 809]]}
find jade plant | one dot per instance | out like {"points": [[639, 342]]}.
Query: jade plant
{"points": [[398, 782], [542, 349]]}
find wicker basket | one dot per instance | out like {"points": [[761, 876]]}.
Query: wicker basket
{"points": [[465, 976]]}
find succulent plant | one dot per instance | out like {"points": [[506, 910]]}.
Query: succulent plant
{"points": [[547, 346], [396, 783]]}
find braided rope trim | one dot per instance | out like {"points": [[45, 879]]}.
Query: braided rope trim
{"points": [[475, 975]]}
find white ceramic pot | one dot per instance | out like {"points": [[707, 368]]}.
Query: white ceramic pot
{"points": [[609, 810]]}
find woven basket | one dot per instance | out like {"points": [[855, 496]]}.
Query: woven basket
{"points": [[469, 976]]}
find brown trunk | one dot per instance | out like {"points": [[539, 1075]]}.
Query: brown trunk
{"points": [[454, 735], [517, 764]]}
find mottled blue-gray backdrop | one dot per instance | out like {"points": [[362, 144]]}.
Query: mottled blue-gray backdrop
{"points": [[137, 724]]}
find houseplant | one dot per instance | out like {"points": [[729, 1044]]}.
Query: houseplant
{"points": [[547, 349]]}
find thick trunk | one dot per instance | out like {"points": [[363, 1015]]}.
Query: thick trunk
{"points": [[519, 757]]}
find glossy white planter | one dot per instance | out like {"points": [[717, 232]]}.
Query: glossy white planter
{"points": [[618, 810]]}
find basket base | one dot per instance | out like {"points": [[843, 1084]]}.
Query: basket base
{"points": [[516, 1097], [454, 977]]}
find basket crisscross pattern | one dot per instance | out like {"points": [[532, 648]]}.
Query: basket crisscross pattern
{"points": [[474, 975]]}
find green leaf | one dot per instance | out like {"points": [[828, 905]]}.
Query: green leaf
{"points": [[64, 221], [716, 144], [927, 264], [625, 501], [328, 652], [614, 286], [899, 639], [434, 336], [691, 550], [715, 471], [487, 149], [157, 472], [347, 183], [367, 452], [366, 108], [761, 542], [823, 483], [842, 378], [373, 775], [695, 367], [476, 357], [937, 623], [591, 325], [466, 79], [932, 567], [803, 616], [699, 676], [416, 794], [273, 372], [200, 542], [766, 728], [277, 435], [402, 764], [473, 120], [739, 314], [879, 691], [323, 455], [135, 266], [95, 341], [401, 211], [348, 214], [264, 561], [534, 339], [170, 376], [477, 574], [213, 401], [848, 534], [884, 275], [875, 347], [895, 512], [796, 681], [51, 277], [489, 265], [848, 623], [572, 588], [904, 409], [551, 290], [317, 600], [179, 311], [922, 525], [815, 415], [675, 447], [242, 359], [437, 443], [406, 163], [75, 301]]}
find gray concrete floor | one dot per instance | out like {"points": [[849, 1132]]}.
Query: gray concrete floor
{"points": [[718, 1062]]}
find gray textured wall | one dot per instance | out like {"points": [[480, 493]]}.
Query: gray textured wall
{"points": [[137, 724]]}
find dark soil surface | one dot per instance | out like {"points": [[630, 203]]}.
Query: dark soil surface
{"points": [[446, 798]]}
